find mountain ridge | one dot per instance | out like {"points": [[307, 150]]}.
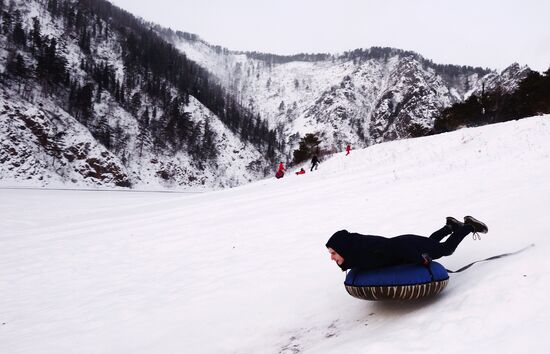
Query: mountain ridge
{"points": [[73, 60], [374, 95], [195, 115]]}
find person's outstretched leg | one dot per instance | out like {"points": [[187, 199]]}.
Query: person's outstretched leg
{"points": [[451, 225], [441, 233], [460, 230], [449, 246]]}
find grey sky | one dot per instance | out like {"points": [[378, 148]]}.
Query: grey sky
{"points": [[487, 33]]}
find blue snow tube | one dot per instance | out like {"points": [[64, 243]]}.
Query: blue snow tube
{"points": [[401, 282]]}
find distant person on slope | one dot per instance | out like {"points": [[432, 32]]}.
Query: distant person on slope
{"points": [[281, 171], [348, 149], [314, 162], [353, 250], [301, 172]]}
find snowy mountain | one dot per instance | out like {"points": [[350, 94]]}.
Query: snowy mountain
{"points": [[360, 97], [91, 96], [80, 106], [245, 270], [42, 145]]}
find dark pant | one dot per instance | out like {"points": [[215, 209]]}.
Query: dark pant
{"points": [[433, 246], [456, 236]]}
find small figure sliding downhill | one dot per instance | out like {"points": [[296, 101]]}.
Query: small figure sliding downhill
{"points": [[399, 267], [353, 250]]}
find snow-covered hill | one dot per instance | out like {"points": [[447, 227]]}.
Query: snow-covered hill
{"points": [[147, 131], [372, 96], [245, 270], [43, 144]]}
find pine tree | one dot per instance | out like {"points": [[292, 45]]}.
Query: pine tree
{"points": [[307, 146], [16, 65], [85, 41], [145, 119], [142, 137], [98, 94], [50, 65], [135, 103], [103, 133], [84, 102], [35, 34], [208, 145], [7, 22], [53, 7], [18, 35], [194, 142]]}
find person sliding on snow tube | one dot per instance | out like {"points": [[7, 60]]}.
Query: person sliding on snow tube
{"points": [[366, 252]]}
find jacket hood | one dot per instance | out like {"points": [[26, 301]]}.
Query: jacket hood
{"points": [[341, 242]]}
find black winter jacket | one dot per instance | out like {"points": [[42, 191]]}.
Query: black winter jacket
{"points": [[370, 252]]}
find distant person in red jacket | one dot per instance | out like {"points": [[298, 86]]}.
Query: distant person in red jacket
{"points": [[301, 172], [348, 149], [281, 171]]}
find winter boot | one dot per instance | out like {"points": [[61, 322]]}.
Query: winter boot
{"points": [[476, 224], [453, 223]]}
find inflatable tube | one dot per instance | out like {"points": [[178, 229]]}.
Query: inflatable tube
{"points": [[401, 282]]}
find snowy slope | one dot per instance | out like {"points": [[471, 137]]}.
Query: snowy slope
{"points": [[245, 270]]}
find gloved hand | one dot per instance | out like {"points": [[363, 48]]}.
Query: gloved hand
{"points": [[426, 259]]}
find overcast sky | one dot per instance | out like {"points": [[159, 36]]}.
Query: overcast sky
{"points": [[487, 33]]}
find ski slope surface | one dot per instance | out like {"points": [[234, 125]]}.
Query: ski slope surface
{"points": [[245, 270]]}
